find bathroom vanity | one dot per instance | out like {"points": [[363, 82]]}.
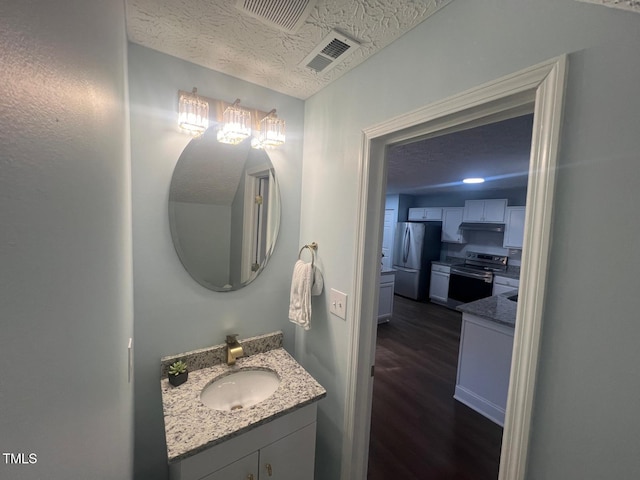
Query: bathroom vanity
{"points": [[283, 449], [274, 438]]}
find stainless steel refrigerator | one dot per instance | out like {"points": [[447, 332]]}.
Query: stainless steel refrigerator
{"points": [[416, 246]]}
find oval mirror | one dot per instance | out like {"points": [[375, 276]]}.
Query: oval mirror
{"points": [[224, 211]]}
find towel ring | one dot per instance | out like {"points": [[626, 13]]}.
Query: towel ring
{"points": [[313, 247]]}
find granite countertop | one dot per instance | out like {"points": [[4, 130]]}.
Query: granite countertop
{"points": [[497, 308], [449, 261], [191, 426]]}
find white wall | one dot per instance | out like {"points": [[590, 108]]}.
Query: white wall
{"points": [[65, 241], [585, 418], [173, 313]]}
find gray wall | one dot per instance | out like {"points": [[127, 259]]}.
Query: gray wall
{"points": [[173, 313], [514, 196], [204, 239], [65, 291], [585, 417], [66, 308]]}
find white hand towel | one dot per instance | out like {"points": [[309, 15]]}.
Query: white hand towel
{"points": [[318, 282], [300, 300]]}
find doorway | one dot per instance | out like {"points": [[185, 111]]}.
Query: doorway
{"points": [[542, 87], [420, 424]]}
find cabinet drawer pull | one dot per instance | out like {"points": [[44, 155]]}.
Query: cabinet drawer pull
{"points": [[250, 476], [269, 469]]}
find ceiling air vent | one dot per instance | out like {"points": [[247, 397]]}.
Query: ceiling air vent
{"points": [[334, 48], [287, 15]]}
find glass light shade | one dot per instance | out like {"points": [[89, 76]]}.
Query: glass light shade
{"points": [[193, 113], [272, 131], [236, 125]]}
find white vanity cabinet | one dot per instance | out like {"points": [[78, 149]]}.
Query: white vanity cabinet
{"points": [[425, 214], [514, 227], [283, 449], [451, 220], [489, 211], [385, 297], [291, 458], [244, 468], [439, 286]]}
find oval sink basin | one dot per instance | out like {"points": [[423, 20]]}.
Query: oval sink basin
{"points": [[240, 390]]}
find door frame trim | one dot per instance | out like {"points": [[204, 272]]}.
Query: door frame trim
{"points": [[539, 89]]}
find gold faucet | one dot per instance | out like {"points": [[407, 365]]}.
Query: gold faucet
{"points": [[234, 349]]}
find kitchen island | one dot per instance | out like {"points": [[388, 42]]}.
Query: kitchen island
{"points": [[484, 358], [497, 309]]}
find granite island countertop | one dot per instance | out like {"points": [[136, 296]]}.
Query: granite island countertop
{"points": [[191, 426], [497, 308]]}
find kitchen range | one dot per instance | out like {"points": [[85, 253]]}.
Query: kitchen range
{"points": [[473, 279]]}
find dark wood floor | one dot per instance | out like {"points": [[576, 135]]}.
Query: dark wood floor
{"points": [[418, 430]]}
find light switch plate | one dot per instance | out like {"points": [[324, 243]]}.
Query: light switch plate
{"points": [[338, 303]]}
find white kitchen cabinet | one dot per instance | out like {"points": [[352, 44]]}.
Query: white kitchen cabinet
{"points": [[484, 365], [283, 449], [504, 284], [388, 234], [514, 227], [439, 286], [385, 297], [489, 211], [451, 220], [428, 214]]}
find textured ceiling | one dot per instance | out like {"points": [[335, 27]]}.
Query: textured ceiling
{"points": [[498, 152], [631, 5], [208, 171], [217, 35]]}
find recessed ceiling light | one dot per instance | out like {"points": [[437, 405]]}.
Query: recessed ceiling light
{"points": [[473, 180]]}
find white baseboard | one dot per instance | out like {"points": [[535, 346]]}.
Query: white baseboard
{"points": [[493, 412]]}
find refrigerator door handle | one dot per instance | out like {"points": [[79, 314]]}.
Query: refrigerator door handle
{"points": [[407, 244], [405, 269]]}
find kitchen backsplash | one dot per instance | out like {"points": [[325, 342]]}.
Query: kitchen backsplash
{"points": [[484, 242]]}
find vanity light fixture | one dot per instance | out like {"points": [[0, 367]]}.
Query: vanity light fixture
{"points": [[473, 180], [271, 131], [236, 124], [193, 112]]}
